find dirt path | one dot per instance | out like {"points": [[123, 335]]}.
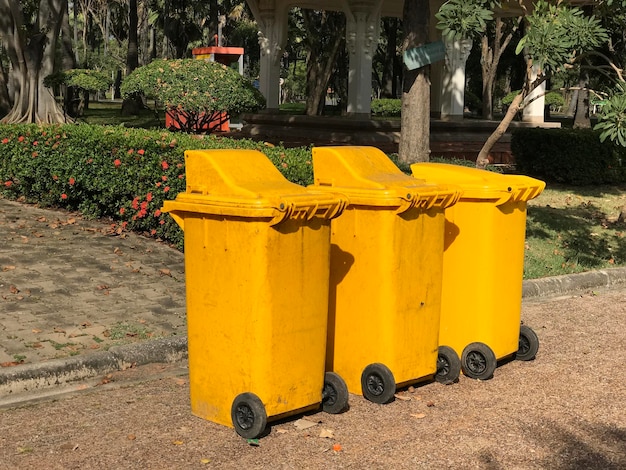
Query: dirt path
{"points": [[565, 410]]}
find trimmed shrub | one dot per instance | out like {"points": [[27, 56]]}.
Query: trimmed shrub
{"points": [[197, 94], [386, 107], [570, 156], [116, 173]]}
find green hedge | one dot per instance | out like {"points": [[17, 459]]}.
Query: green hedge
{"points": [[114, 172], [386, 107], [570, 156]]}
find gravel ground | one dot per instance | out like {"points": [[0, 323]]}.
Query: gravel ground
{"points": [[565, 410]]}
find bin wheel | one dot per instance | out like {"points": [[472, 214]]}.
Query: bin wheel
{"points": [[478, 361], [448, 365], [528, 344], [334, 394], [378, 384], [248, 415]]}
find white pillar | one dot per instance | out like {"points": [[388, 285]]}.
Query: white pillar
{"points": [[362, 34], [534, 103], [272, 39], [453, 89]]}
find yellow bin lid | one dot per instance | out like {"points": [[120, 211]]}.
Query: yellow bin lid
{"points": [[367, 177], [245, 183], [480, 184]]}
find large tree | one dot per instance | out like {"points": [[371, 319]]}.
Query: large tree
{"points": [[415, 138], [29, 32]]}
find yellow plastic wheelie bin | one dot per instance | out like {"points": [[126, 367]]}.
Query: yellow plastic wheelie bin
{"points": [[386, 268], [257, 270], [483, 267]]}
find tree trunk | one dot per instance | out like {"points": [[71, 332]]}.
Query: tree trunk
{"points": [[581, 118], [321, 57], [387, 83], [5, 101], [415, 136], [32, 58], [132, 104]]}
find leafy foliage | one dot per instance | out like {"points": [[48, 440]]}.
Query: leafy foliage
{"points": [[570, 156], [556, 33], [459, 19], [114, 172], [198, 90], [386, 107], [552, 98]]}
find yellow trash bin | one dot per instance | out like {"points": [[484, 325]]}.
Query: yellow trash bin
{"points": [[386, 268], [483, 265], [257, 269]]}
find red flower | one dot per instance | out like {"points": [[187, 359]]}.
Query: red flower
{"points": [[35, 154], [63, 196], [35, 142], [5, 141], [161, 222], [166, 189], [130, 151], [144, 206], [180, 177], [164, 165], [135, 203], [117, 162], [72, 181], [122, 211], [164, 178], [149, 197], [8, 183], [158, 185], [157, 213], [20, 138], [55, 177], [141, 151], [152, 232]]}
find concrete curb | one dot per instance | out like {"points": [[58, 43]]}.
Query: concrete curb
{"points": [[40, 378], [569, 283]]}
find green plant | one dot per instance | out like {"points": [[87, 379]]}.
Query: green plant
{"points": [[198, 95], [125, 330], [552, 98], [386, 107], [570, 156], [460, 19], [612, 119]]}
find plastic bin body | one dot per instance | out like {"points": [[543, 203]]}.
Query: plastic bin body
{"points": [[483, 261], [386, 266], [257, 264]]}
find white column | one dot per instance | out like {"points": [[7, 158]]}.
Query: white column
{"points": [[453, 89], [272, 39], [534, 103], [362, 34]]}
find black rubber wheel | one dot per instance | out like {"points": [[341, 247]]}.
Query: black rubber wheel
{"points": [[334, 394], [528, 344], [448, 365], [478, 361], [378, 384], [248, 415]]}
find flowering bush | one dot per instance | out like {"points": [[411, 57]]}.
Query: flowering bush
{"points": [[116, 173]]}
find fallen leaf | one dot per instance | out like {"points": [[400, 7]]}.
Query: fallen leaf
{"points": [[41, 219], [102, 287], [430, 404], [131, 437], [281, 431], [58, 330], [71, 221], [69, 446], [38, 235], [411, 389], [327, 433], [178, 443], [165, 272], [7, 268], [418, 415], [302, 424], [10, 364], [35, 330], [204, 461], [117, 251], [13, 289], [85, 324], [402, 397]]}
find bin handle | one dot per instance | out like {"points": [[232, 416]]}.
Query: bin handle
{"points": [[407, 202]]}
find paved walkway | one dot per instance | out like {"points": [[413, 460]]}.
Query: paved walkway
{"points": [[70, 286]]}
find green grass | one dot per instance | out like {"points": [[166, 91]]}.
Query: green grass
{"points": [[109, 113], [575, 229]]}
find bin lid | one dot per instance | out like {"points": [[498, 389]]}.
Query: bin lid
{"points": [[366, 176], [245, 183], [480, 184]]}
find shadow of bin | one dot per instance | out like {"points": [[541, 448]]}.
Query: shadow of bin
{"points": [[257, 264]]}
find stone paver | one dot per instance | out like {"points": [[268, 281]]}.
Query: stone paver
{"points": [[69, 286]]}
